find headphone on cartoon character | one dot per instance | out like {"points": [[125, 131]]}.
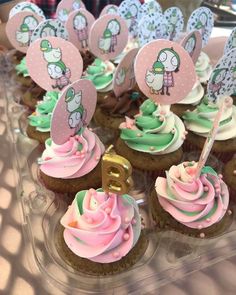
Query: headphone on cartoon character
{"points": [[116, 22], [80, 14], [173, 52]]}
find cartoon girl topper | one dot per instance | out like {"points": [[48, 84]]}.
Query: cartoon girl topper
{"points": [[50, 28], [109, 9], [202, 20], [65, 7], [78, 25], [164, 71], [73, 111], [20, 27], [175, 19], [26, 7], [192, 43], [222, 80], [231, 42], [53, 63], [108, 37]]}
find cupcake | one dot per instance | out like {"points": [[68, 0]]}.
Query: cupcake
{"points": [[112, 111], [199, 122], [190, 101], [229, 173], [32, 96], [154, 137], [101, 74], [195, 207], [74, 165], [203, 68], [102, 233], [22, 74], [39, 122], [88, 59]]}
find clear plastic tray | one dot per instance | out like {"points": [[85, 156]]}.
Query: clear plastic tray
{"points": [[169, 255]]}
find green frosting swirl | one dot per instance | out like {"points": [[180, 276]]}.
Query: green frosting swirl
{"points": [[154, 131], [99, 73], [41, 119], [21, 68]]}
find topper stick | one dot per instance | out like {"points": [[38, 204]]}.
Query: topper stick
{"points": [[210, 140], [116, 173]]}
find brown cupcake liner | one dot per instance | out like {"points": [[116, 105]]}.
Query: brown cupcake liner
{"points": [[89, 267], [37, 135]]}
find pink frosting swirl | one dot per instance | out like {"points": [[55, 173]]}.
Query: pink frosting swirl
{"points": [[75, 158], [196, 203], [102, 227]]}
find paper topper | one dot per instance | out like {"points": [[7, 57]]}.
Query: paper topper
{"points": [[150, 7], [192, 43], [164, 71], [151, 27], [53, 63], [65, 7], [26, 6], [20, 27], [129, 11], [78, 25], [231, 42], [50, 28], [175, 19], [108, 36], [109, 9], [73, 110], [124, 78], [201, 19], [223, 79], [209, 141]]}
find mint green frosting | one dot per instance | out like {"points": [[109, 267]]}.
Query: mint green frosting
{"points": [[99, 74], [41, 119], [154, 132], [21, 68]]}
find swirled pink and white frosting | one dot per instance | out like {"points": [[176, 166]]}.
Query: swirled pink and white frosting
{"points": [[102, 227], [75, 158], [196, 203]]}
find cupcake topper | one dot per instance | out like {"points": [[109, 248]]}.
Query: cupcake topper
{"points": [[20, 27], [129, 10], [151, 27], [175, 19], [109, 9], [65, 7], [108, 36], [150, 7], [78, 25], [26, 6], [116, 173], [202, 20], [50, 28], [124, 78], [192, 43], [164, 71], [231, 42], [223, 78], [53, 63], [73, 111]]}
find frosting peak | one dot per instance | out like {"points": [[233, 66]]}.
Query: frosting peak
{"points": [[21, 68], [102, 227], [203, 67]]}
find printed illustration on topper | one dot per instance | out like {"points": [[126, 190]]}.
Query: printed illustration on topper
{"points": [[56, 68], [25, 32], [190, 44], [131, 17], [160, 78], [112, 10], [108, 41], [172, 24], [74, 106], [80, 25], [217, 81]]}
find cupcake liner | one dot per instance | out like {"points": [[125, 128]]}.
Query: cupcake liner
{"points": [[89, 267]]}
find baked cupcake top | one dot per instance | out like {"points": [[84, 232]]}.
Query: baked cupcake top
{"points": [[102, 227], [21, 68], [127, 104], [101, 74], [200, 121], [203, 67], [76, 157], [195, 96], [41, 118], [155, 130], [196, 203]]}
